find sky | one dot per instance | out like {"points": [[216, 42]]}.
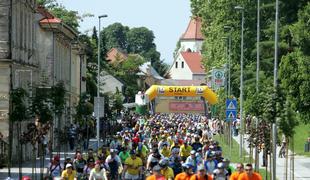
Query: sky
{"points": [[168, 19]]}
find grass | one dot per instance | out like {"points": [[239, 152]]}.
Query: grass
{"points": [[234, 151], [263, 172], [302, 132]]}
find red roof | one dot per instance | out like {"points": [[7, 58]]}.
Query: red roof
{"points": [[193, 31], [48, 17], [52, 20], [115, 53], [182, 82], [193, 60]]}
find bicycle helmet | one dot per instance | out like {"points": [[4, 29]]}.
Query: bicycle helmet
{"points": [[187, 165], [220, 165], [164, 162]]}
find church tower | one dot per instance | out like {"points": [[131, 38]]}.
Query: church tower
{"points": [[187, 64], [192, 39]]}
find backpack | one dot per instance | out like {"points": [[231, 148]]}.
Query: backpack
{"points": [[52, 170]]}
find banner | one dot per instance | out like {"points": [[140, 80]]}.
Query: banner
{"points": [[190, 91], [186, 106]]}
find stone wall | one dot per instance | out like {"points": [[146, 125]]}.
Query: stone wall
{"points": [[4, 98], [4, 29]]}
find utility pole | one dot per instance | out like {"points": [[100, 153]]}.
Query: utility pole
{"points": [[98, 83], [275, 81], [257, 77], [229, 28], [241, 81]]}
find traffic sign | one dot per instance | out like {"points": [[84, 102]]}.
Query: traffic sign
{"points": [[231, 115], [218, 78], [231, 109], [231, 104]]}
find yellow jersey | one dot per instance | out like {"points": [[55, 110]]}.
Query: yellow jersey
{"points": [[67, 176], [168, 173], [185, 151], [133, 165], [165, 152]]}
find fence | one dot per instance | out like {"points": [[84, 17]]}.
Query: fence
{"points": [[3, 153]]}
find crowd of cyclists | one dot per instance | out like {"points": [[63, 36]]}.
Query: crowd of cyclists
{"points": [[159, 147]]}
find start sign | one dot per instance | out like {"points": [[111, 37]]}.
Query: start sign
{"points": [[190, 91]]}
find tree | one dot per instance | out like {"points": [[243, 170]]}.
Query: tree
{"points": [[116, 36], [117, 102], [94, 36], [70, 18], [46, 3], [293, 57], [57, 97], [36, 131], [294, 73], [127, 71], [140, 40], [83, 117], [19, 113]]}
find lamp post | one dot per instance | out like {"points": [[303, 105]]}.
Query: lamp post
{"points": [[257, 77], [98, 83], [275, 81], [226, 68], [257, 45], [229, 28], [240, 8]]}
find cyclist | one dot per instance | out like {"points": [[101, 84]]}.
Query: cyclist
{"points": [[165, 169], [133, 167], [249, 174], [187, 174], [240, 170]]}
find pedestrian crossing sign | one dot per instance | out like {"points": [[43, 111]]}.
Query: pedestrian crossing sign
{"points": [[231, 109], [231, 115], [231, 104]]}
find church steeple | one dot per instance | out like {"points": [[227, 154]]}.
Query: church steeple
{"points": [[193, 31], [192, 38]]}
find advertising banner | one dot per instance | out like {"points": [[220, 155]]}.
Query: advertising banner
{"points": [[188, 91], [186, 106]]}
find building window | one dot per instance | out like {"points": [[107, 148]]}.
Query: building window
{"points": [[182, 64], [176, 64]]}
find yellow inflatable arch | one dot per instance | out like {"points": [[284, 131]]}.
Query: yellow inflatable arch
{"points": [[191, 91]]}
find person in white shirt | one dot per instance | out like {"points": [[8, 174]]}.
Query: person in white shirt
{"points": [[54, 168], [113, 163], [97, 173]]}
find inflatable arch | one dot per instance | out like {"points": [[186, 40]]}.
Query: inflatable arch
{"points": [[191, 91]]}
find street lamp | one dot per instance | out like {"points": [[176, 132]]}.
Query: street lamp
{"points": [[229, 28], [275, 81], [240, 8], [98, 82], [226, 39], [257, 76], [257, 44]]}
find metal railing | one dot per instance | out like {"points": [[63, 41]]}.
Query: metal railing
{"points": [[3, 153]]}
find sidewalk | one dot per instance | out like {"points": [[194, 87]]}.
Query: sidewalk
{"points": [[302, 164]]}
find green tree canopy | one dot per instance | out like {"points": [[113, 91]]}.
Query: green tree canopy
{"points": [[116, 36], [293, 50]]}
